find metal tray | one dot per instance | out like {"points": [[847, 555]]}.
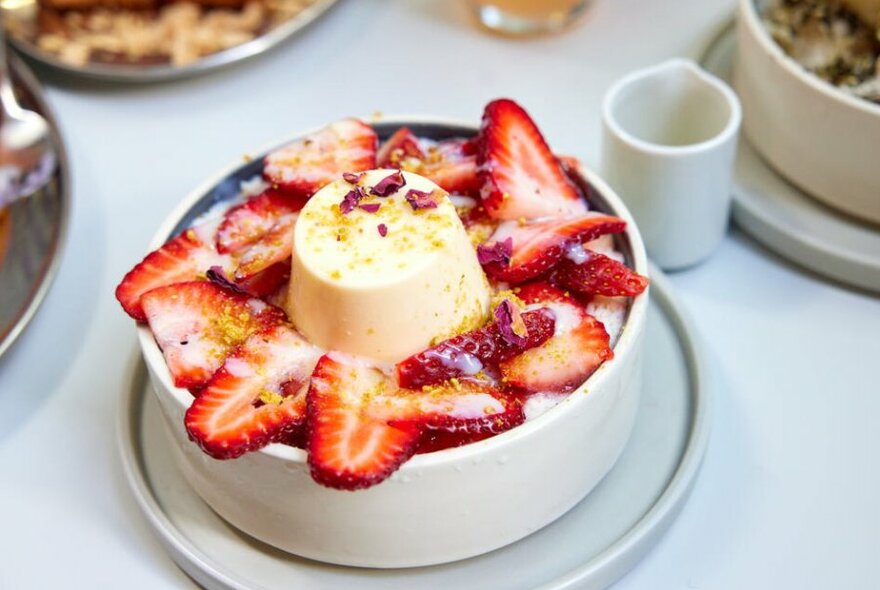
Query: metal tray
{"points": [[154, 73], [592, 546], [38, 226]]}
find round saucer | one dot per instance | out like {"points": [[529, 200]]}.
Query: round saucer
{"points": [[591, 546], [784, 218]]}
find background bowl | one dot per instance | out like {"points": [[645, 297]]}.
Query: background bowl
{"points": [[441, 506], [820, 138]]}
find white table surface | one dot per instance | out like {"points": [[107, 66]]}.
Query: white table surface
{"points": [[789, 495]]}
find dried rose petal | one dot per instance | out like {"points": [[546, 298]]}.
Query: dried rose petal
{"points": [[389, 185], [370, 207], [351, 200], [510, 323], [217, 275], [351, 177], [383, 229], [420, 199], [496, 252]]}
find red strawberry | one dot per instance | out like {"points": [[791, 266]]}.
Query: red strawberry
{"points": [[267, 282], [578, 346], [271, 248], [401, 145], [307, 164], [246, 223], [469, 406], [569, 164], [348, 449], [598, 274], [184, 258], [432, 441], [538, 247], [467, 354], [197, 323], [520, 176], [256, 397], [452, 164]]}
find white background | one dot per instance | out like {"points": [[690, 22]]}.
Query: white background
{"points": [[789, 495]]}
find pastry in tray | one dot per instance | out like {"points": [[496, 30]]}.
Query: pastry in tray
{"points": [[147, 32]]}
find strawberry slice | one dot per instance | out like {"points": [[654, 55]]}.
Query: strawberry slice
{"points": [[520, 177], [197, 324], [349, 449], [246, 223], [432, 441], [362, 427], [256, 397], [307, 164], [267, 282], [569, 164], [578, 346], [184, 258], [401, 145], [271, 248], [467, 354], [538, 247], [452, 164], [597, 274], [475, 407]]}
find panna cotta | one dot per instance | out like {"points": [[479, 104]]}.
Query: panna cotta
{"points": [[383, 275]]}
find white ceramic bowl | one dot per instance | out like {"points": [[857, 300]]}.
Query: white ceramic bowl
{"points": [[440, 506], [818, 137]]}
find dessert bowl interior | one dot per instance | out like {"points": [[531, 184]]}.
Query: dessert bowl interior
{"points": [[817, 136], [418, 516]]}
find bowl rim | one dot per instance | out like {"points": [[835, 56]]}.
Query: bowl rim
{"points": [[626, 343], [748, 13]]}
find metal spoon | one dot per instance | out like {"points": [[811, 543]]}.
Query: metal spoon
{"points": [[27, 158]]}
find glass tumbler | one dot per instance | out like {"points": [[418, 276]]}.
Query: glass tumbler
{"points": [[527, 17]]}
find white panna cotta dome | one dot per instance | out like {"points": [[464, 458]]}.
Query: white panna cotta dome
{"points": [[383, 283]]}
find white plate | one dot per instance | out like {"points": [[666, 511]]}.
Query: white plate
{"points": [[593, 545], [786, 220]]}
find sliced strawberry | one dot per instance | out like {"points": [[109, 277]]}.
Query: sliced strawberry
{"points": [[246, 223], [307, 164], [454, 406], [267, 282], [432, 441], [453, 166], [349, 449], [273, 247], [520, 177], [197, 324], [537, 247], [569, 164], [451, 163], [401, 145], [467, 354], [184, 258], [597, 274], [256, 397], [578, 346], [476, 221]]}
